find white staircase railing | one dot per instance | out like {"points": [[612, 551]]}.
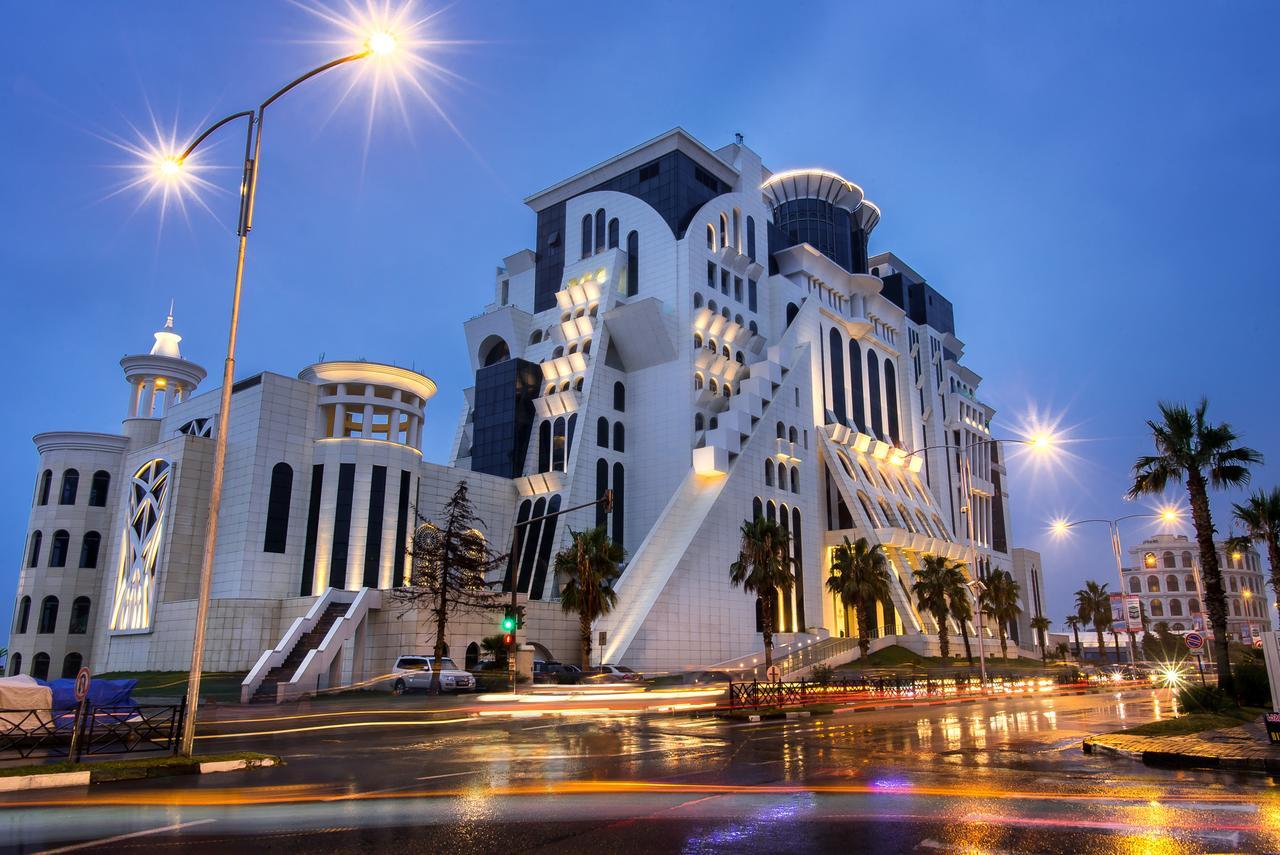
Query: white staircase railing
{"points": [[314, 672], [300, 627]]}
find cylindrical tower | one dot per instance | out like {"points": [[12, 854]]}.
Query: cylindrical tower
{"points": [[157, 380], [824, 210]]}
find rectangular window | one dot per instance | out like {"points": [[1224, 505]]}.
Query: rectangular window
{"points": [[751, 295], [342, 526], [313, 528], [650, 170], [402, 522], [711, 276], [724, 282], [373, 532], [737, 288]]}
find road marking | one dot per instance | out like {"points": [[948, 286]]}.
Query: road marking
{"points": [[105, 840], [448, 775]]}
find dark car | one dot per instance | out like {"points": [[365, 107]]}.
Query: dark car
{"points": [[555, 672]]}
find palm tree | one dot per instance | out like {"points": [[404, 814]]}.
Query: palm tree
{"points": [[1190, 450], [1260, 518], [932, 587], [1074, 623], [1000, 603], [961, 605], [590, 565], [1040, 624], [763, 568], [860, 577], [1093, 606]]}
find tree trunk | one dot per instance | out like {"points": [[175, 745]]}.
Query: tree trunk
{"points": [[1004, 644], [1102, 645], [944, 642], [442, 618], [767, 632], [1215, 600], [864, 623], [584, 639], [1273, 557], [964, 634], [1076, 632], [1115, 641]]}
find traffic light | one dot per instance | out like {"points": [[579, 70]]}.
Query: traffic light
{"points": [[509, 621], [508, 640]]}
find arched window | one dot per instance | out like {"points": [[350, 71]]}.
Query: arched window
{"points": [[782, 478], [619, 437], [21, 616], [58, 548], [98, 489], [725, 351], [795, 480], [740, 358], [40, 666], [558, 352], [46, 483], [1157, 608], [835, 357], [1171, 582], [1153, 584], [1193, 606], [792, 311], [279, 498], [1189, 583], [15, 665], [697, 341], [891, 399], [586, 235], [70, 483], [89, 547], [33, 552], [751, 238], [613, 233], [725, 313], [1175, 608], [755, 330], [1186, 559], [577, 384], [887, 513], [698, 422], [79, 624], [713, 306], [633, 263], [781, 431], [602, 432], [48, 615], [71, 664], [558, 442], [869, 509], [619, 397], [602, 486], [908, 523], [697, 301], [768, 471], [1135, 585], [1168, 560], [737, 230], [544, 446], [712, 386], [493, 350], [1235, 608], [535, 337], [697, 380], [1149, 559], [711, 237], [724, 230], [600, 230], [472, 656], [792, 435], [873, 379]]}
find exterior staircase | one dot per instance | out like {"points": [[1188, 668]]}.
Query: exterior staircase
{"points": [[266, 691]]}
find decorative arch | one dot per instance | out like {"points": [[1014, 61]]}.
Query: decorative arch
{"points": [[492, 350]]}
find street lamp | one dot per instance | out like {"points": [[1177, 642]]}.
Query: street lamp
{"points": [[1060, 528], [171, 168], [1041, 443]]}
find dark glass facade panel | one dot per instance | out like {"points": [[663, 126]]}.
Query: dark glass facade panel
{"points": [[544, 446], [633, 263], [673, 185], [619, 499], [313, 529], [278, 498], [752, 289], [999, 537], [599, 246], [602, 485], [503, 416], [342, 526], [402, 529], [830, 229], [373, 529], [614, 228], [751, 238]]}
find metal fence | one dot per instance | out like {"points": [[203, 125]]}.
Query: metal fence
{"points": [[90, 730], [758, 694]]}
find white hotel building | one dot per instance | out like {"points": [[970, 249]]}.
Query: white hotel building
{"points": [[706, 337]]}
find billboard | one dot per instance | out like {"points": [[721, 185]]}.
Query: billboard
{"points": [[1126, 613]]}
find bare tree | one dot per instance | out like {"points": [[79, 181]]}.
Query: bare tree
{"points": [[450, 560]]}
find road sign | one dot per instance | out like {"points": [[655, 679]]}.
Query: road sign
{"points": [[1194, 640], [82, 684], [774, 674], [1273, 727]]}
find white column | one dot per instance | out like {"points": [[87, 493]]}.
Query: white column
{"points": [[151, 399], [339, 420], [135, 398]]}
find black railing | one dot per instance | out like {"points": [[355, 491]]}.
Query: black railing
{"points": [[90, 730], [758, 694]]}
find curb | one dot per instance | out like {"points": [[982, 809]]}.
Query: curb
{"points": [[18, 783], [1173, 760]]}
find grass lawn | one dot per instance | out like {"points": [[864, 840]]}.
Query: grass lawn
{"points": [[219, 685], [133, 767], [1190, 723]]}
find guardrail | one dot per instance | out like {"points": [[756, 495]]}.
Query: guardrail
{"points": [[90, 730]]}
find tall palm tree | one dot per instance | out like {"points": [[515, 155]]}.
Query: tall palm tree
{"points": [[932, 588], [1000, 603], [860, 577], [1040, 624], [1093, 606], [590, 565], [1190, 450], [763, 568], [1074, 623], [1260, 518], [960, 605]]}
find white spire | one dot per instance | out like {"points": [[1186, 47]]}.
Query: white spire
{"points": [[166, 339]]}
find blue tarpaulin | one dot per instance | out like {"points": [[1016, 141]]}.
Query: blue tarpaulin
{"points": [[102, 693]]}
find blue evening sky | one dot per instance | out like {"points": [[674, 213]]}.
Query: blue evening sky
{"points": [[1093, 185]]}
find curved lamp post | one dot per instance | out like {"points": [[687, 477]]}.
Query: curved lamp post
{"points": [[380, 43], [1060, 527]]}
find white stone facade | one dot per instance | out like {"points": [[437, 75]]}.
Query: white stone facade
{"points": [[705, 337]]}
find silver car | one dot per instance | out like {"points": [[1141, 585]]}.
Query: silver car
{"points": [[417, 672]]}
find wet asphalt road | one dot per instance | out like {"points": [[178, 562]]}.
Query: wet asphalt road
{"points": [[996, 776]]}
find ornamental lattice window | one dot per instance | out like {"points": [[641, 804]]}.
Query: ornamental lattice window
{"points": [[133, 607]]}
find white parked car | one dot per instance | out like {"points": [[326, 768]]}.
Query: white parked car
{"points": [[417, 672]]}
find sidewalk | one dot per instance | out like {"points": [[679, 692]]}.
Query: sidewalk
{"points": [[1244, 747]]}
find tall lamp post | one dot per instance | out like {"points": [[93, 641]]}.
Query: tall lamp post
{"points": [[1061, 527], [171, 168], [1042, 443]]}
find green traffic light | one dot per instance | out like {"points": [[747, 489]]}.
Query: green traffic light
{"points": [[508, 623]]}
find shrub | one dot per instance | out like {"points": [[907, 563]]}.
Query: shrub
{"points": [[1252, 685], [821, 674], [1203, 699]]}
